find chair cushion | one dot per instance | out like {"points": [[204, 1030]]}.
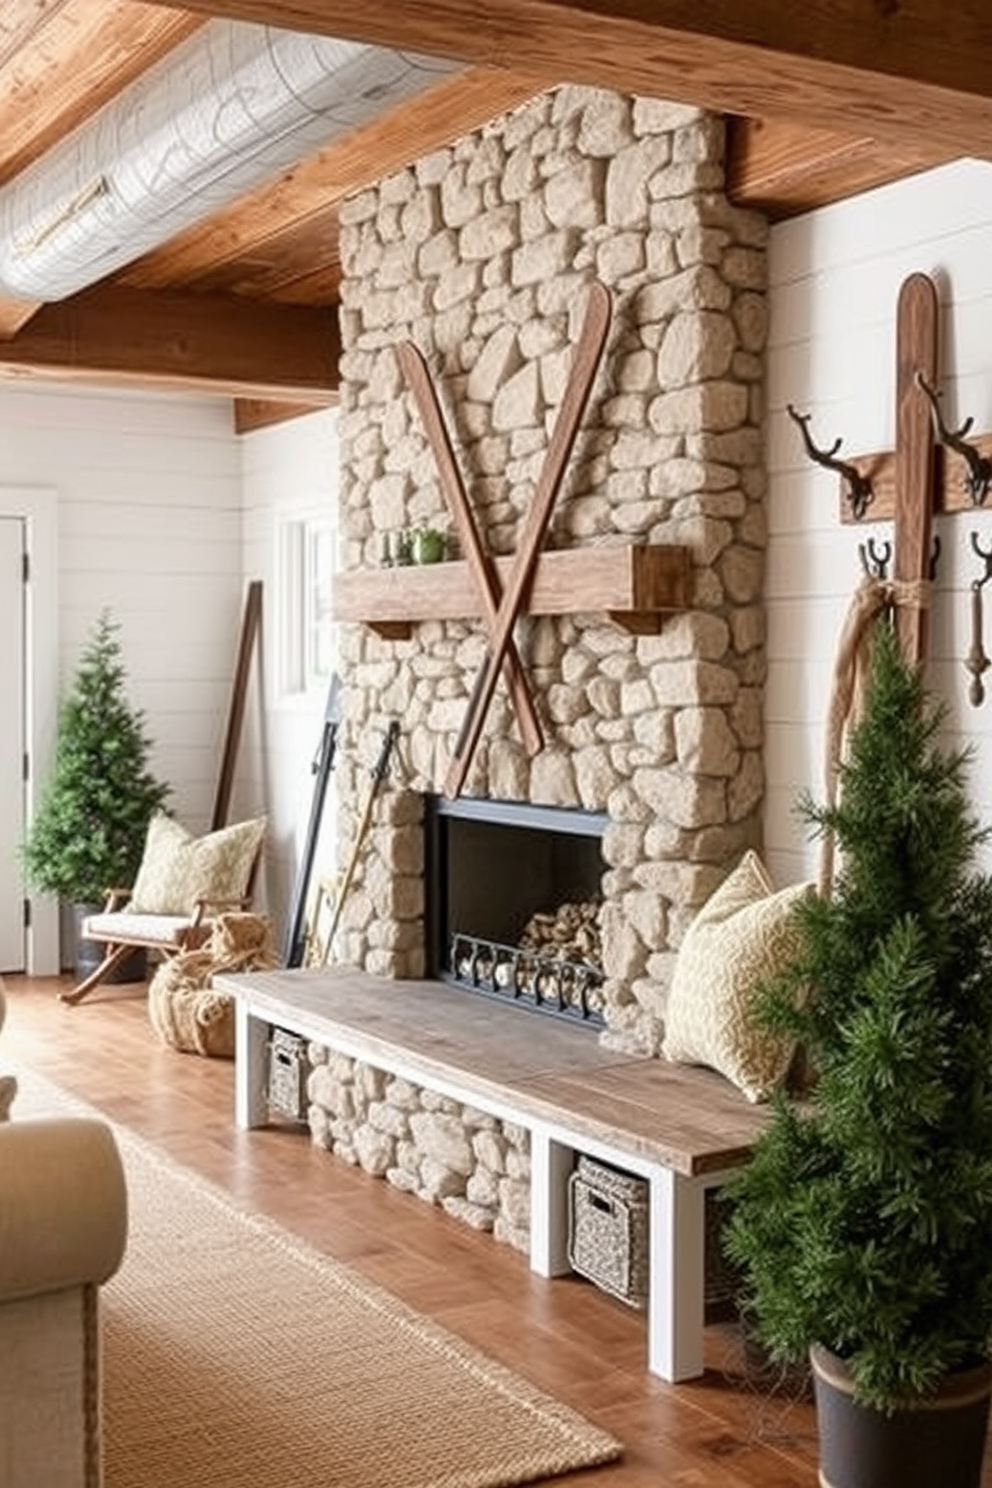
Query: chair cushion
{"points": [[743, 935], [138, 929], [177, 869]]}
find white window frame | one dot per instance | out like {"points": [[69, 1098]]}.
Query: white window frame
{"points": [[304, 555]]}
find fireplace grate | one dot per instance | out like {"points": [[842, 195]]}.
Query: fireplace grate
{"points": [[528, 978]]}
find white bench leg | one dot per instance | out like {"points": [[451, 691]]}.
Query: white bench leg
{"points": [[550, 1165], [251, 1049], [677, 1269]]}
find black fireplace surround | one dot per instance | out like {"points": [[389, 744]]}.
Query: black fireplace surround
{"points": [[491, 866]]}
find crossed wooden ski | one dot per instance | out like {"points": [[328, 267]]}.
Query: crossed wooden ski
{"points": [[484, 573], [501, 610]]}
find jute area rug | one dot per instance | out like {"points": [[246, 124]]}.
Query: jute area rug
{"points": [[238, 1357]]}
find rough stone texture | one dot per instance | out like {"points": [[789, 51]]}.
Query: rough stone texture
{"points": [[482, 254], [422, 1143]]}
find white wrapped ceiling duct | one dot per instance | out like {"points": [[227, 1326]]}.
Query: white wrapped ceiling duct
{"points": [[225, 111]]}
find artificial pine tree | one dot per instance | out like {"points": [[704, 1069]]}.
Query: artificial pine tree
{"points": [[89, 832], [864, 1221]]}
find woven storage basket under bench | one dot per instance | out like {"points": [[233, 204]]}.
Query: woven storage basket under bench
{"points": [[609, 1239], [608, 1229]]}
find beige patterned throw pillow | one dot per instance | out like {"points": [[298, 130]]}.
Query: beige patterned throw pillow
{"points": [[743, 934], [177, 869]]}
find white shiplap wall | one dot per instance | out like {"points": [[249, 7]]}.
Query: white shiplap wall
{"points": [[835, 277], [163, 515], [149, 520], [289, 471]]}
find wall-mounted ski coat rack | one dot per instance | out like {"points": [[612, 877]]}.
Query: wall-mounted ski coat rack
{"points": [[933, 469], [962, 468]]}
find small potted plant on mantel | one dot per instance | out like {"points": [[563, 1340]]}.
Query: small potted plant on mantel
{"points": [[89, 831], [863, 1224]]}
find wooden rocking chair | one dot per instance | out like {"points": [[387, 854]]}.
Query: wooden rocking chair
{"points": [[182, 884]]}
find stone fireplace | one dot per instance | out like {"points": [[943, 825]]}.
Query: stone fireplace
{"points": [[481, 254]]}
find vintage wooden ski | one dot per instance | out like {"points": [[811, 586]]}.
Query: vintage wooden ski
{"points": [[483, 571], [916, 354], [246, 647], [588, 350]]}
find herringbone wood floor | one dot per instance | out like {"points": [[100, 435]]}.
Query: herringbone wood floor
{"points": [[566, 1336]]}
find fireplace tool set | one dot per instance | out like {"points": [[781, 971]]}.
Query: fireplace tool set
{"points": [[332, 893], [296, 928]]}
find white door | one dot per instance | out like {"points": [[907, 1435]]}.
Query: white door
{"points": [[12, 747]]}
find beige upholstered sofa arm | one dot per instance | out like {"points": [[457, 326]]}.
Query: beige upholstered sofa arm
{"points": [[63, 1205]]}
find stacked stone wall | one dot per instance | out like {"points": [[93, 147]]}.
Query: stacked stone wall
{"points": [[481, 254], [472, 1164]]}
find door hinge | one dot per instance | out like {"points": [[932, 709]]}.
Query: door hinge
{"points": [[26, 567], [27, 767], [27, 914]]}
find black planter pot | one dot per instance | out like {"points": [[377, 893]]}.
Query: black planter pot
{"points": [[87, 954], [941, 1441]]}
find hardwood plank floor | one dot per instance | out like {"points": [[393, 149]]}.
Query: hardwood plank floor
{"points": [[566, 1336]]}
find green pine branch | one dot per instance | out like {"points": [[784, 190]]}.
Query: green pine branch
{"points": [[864, 1222]]}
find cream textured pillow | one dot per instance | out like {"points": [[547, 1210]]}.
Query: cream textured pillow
{"points": [[177, 868], [744, 934]]}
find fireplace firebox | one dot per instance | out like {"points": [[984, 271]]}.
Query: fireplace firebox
{"points": [[512, 904]]}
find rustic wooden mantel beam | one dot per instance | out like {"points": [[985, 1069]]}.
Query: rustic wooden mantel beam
{"points": [[633, 583]]}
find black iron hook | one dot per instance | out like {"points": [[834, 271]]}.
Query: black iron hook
{"points": [[934, 557], [977, 662], [859, 492], [979, 468], [986, 558], [875, 562]]}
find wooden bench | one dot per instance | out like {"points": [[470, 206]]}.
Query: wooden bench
{"points": [[684, 1130]]}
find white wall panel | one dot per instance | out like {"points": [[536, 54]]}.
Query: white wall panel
{"points": [[149, 526], [289, 468], [835, 277]]}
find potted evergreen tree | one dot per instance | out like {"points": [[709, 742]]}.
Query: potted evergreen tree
{"points": [[89, 831], [863, 1224]]}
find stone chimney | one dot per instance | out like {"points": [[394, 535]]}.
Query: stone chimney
{"points": [[482, 254]]}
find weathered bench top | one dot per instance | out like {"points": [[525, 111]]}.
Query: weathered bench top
{"points": [[690, 1120]]}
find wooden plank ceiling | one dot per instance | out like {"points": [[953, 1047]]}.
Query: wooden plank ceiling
{"points": [[823, 100]]}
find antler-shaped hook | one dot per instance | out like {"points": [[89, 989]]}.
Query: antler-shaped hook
{"points": [[859, 492], [875, 560], [979, 468]]}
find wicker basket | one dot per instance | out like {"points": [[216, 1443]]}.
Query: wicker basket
{"points": [[608, 1230], [287, 1091]]}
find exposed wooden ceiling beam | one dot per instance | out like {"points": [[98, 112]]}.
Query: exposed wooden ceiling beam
{"points": [[781, 168], [260, 413], [835, 63], [21, 19], [100, 49], [14, 314], [202, 342]]}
